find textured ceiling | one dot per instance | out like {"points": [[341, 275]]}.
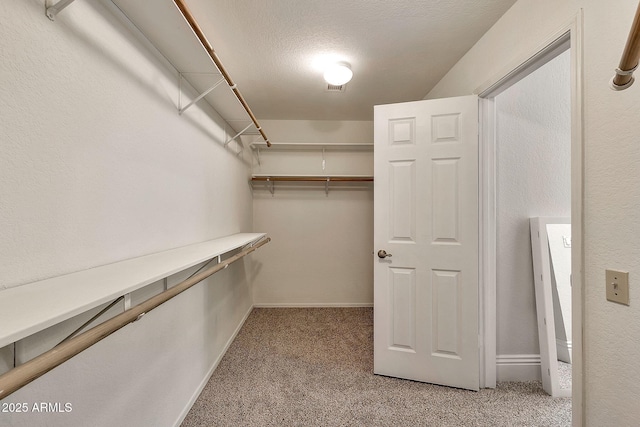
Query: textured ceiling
{"points": [[273, 49]]}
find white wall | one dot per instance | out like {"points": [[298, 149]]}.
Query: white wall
{"points": [[321, 252], [522, 31], [533, 178], [612, 219], [96, 166], [611, 176]]}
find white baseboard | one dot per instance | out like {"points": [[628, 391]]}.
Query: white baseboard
{"points": [[313, 305], [215, 364], [518, 367]]}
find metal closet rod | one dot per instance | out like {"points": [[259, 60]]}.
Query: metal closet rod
{"points": [[313, 178], [22, 375], [186, 13], [630, 56]]}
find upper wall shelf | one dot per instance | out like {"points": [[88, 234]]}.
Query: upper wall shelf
{"points": [[257, 147], [302, 158], [197, 65], [295, 146]]}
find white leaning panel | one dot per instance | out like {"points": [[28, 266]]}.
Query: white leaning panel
{"points": [[30, 308]]}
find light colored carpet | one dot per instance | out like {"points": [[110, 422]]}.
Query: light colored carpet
{"points": [[564, 374], [313, 367]]}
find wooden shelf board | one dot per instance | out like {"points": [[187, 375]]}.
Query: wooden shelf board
{"points": [[294, 146]]}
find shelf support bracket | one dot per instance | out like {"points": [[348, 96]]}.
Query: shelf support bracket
{"points": [[238, 134], [127, 301], [85, 324], [202, 95], [271, 186], [52, 11], [324, 162], [326, 187]]}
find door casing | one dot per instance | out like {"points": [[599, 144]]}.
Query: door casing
{"points": [[568, 37]]}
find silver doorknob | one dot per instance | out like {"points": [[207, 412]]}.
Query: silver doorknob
{"points": [[383, 254]]}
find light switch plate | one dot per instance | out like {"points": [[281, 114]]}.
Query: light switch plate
{"points": [[617, 286]]}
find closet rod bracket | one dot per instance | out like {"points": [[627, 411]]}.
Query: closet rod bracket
{"points": [[623, 73], [52, 11]]}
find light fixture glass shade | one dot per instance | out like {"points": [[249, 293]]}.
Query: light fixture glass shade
{"points": [[338, 74]]}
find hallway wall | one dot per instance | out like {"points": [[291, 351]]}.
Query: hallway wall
{"points": [[611, 198]]}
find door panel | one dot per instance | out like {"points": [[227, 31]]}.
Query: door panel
{"points": [[426, 217], [402, 211], [446, 312], [444, 208], [402, 286]]}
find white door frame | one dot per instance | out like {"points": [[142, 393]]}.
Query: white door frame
{"points": [[569, 36]]}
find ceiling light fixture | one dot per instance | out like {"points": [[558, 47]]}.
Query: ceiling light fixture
{"points": [[338, 74]]}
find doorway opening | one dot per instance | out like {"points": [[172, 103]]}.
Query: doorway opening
{"points": [[566, 42]]}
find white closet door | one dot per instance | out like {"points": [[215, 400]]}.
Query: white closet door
{"points": [[426, 218]]}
